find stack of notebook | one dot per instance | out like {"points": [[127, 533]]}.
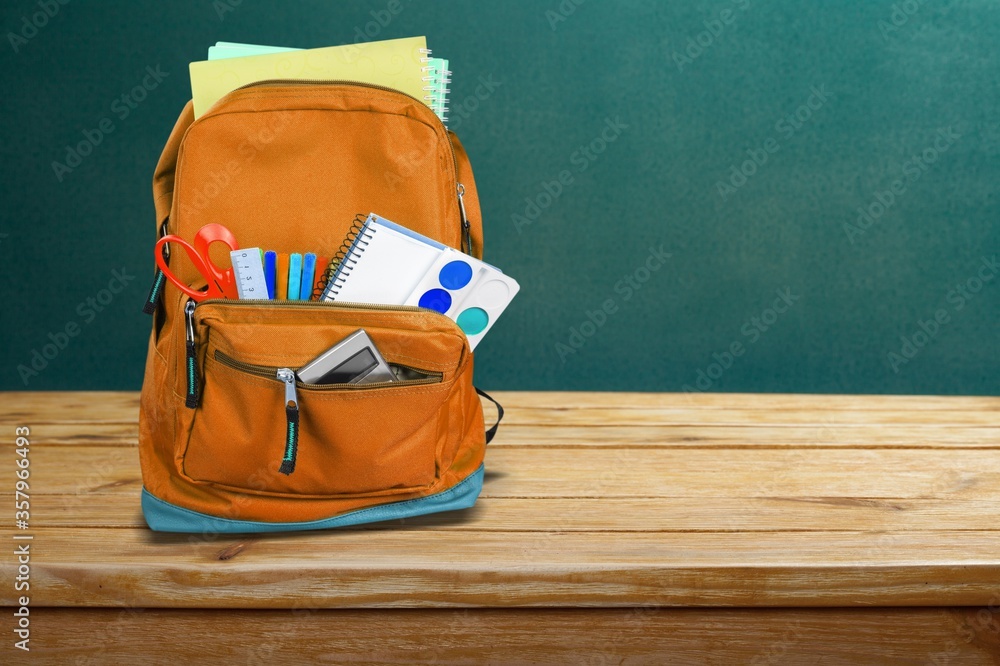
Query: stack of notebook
{"points": [[403, 64]]}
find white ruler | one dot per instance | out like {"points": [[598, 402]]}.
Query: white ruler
{"points": [[248, 269]]}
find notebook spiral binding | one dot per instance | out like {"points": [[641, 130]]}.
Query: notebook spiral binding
{"points": [[445, 90], [436, 86], [428, 75], [330, 286]]}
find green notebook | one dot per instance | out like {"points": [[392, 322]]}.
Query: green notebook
{"points": [[437, 77]]}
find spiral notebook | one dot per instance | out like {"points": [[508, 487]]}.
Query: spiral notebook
{"points": [[384, 262], [435, 75]]}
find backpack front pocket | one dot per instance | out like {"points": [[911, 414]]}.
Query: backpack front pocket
{"points": [[257, 429]]}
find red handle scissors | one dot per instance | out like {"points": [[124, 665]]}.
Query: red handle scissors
{"points": [[221, 283]]}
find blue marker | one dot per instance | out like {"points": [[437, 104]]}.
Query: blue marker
{"points": [[308, 276], [270, 261], [294, 275]]}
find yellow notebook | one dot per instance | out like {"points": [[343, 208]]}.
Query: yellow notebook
{"points": [[397, 63]]}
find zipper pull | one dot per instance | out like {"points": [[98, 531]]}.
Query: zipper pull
{"points": [[292, 415], [465, 220], [192, 358], [149, 307]]}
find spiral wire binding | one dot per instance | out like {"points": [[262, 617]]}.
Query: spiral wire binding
{"points": [[333, 277], [443, 96], [437, 86], [428, 75]]}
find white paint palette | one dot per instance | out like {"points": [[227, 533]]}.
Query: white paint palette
{"points": [[466, 290]]}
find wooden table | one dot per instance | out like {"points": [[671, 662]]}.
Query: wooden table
{"points": [[613, 528]]}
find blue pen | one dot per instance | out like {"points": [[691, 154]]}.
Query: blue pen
{"points": [[294, 275], [308, 275], [270, 262]]}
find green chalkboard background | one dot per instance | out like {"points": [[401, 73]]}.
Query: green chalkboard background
{"points": [[745, 136]]}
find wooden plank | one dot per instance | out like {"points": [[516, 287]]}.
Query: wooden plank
{"points": [[828, 435], [564, 472], [84, 469], [34, 407], [593, 499], [591, 407], [836, 636], [94, 434], [759, 437], [620, 416], [437, 568], [701, 514], [885, 473], [751, 401]]}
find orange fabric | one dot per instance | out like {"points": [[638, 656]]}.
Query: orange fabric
{"points": [[288, 167]]}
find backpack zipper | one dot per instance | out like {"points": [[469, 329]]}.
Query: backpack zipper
{"points": [[343, 82], [159, 277], [270, 371], [466, 231], [292, 409], [193, 396], [284, 374], [191, 400], [454, 158], [346, 305], [287, 376]]}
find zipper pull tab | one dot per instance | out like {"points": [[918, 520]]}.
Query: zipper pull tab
{"points": [[192, 358], [292, 415], [467, 234], [149, 307]]}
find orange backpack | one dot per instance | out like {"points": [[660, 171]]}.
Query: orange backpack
{"points": [[286, 166]]}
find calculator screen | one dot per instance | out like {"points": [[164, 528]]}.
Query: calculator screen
{"points": [[356, 366]]}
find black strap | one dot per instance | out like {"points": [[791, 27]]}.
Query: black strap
{"points": [[492, 431]]}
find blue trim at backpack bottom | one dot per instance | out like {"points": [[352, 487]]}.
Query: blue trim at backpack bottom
{"points": [[163, 516]]}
